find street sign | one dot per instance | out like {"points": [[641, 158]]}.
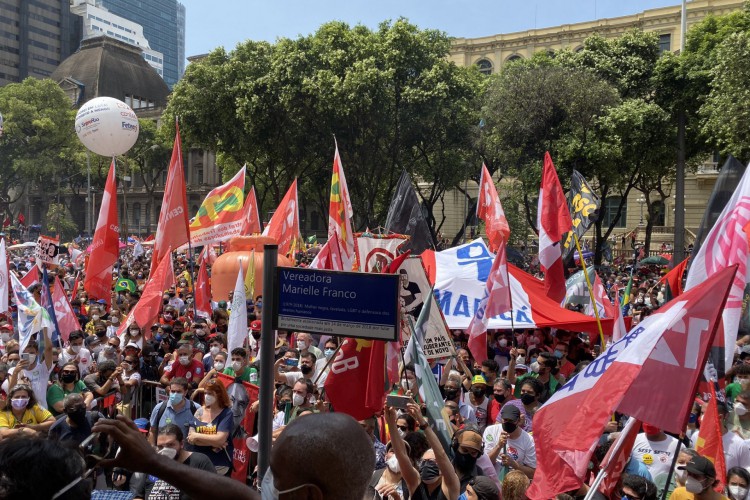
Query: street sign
{"points": [[360, 305]]}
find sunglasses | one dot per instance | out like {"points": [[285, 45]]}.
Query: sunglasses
{"points": [[403, 427]]}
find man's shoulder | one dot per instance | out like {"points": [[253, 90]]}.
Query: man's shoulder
{"points": [[198, 460]]}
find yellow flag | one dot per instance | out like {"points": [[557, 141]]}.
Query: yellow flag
{"points": [[250, 278]]}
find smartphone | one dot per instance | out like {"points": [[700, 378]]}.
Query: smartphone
{"points": [[25, 356], [291, 362], [95, 448], [395, 401]]}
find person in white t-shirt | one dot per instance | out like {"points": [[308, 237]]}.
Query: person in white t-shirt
{"points": [[509, 445], [76, 353], [736, 449], [654, 449], [36, 371]]}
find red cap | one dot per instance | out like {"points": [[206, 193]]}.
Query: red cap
{"points": [[255, 325]]}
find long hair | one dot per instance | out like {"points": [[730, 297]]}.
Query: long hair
{"points": [[222, 397]]}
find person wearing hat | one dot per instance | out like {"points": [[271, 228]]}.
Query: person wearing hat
{"points": [[482, 488], [508, 445], [700, 482], [467, 446], [478, 400], [255, 327]]}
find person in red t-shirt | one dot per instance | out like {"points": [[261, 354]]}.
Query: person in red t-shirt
{"points": [[502, 393], [184, 366]]}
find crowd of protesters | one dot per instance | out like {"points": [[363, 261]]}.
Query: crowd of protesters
{"points": [[60, 393]]}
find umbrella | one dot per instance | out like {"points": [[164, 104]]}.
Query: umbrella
{"points": [[655, 260], [19, 246]]}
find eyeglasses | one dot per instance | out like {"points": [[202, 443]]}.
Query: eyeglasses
{"points": [[403, 428], [69, 372]]}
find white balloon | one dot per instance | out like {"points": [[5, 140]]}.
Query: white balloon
{"points": [[107, 126]]}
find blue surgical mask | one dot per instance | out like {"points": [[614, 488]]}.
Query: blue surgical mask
{"points": [[558, 354], [175, 398], [329, 352]]}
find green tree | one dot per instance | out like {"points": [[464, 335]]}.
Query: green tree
{"points": [[60, 221]]}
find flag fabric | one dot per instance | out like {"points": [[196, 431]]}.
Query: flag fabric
{"points": [[21, 219], [251, 221], [618, 456], [30, 278], [725, 245], [105, 249], [393, 349], [173, 229], [340, 214], [673, 279], [329, 256], [66, 318], [250, 277], [604, 306], [202, 292], [237, 329], [4, 278], [31, 316], [147, 308], [138, 250], [625, 299], [49, 305], [221, 215], [429, 391], [245, 394], [710, 442], [348, 381], [667, 350], [496, 301], [405, 217], [490, 210], [584, 206], [618, 329], [375, 252], [553, 221], [284, 224]]}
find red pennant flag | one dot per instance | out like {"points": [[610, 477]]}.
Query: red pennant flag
{"points": [[76, 284], [673, 278], [105, 248], [148, 306], [251, 222], [30, 278], [710, 442], [21, 219], [66, 318], [202, 291], [348, 385], [553, 221], [329, 257], [340, 214], [617, 457], [173, 230], [490, 210], [284, 224]]}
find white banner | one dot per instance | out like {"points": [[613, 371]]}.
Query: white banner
{"points": [[374, 254], [47, 250]]}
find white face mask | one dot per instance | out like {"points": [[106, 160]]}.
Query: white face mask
{"points": [[737, 492], [170, 453], [215, 350], [693, 485], [392, 464], [301, 345], [407, 385], [739, 409], [520, 360], [219, 366], [298, 400], [75, 348], [32, 359], [680, 474], [184, 360], [236, 366], [535, 367], [5, 337], [209, 399], [503, 342], [401, 433]]}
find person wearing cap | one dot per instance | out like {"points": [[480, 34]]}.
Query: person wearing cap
{"points": [[482, 488], [75, 425], [467, 446], [94, 344], [700, 482], [508, 445], [478, 400], [77, 353], [254, 341]]}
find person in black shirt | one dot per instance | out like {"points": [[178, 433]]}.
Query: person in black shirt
{"points": [[74, 425]]}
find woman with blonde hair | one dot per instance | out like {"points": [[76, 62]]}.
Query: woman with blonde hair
{"points": [[514, 485]]}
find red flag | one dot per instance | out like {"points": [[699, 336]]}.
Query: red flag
{"points": [[340, 214], [376, 386], [21, 219], [349, 381], [617, 457], [604, 306], [667, 350], [251, 222], [673, 278], [76, 284], [66, 318], [173, 230], [496, 301], [30, 278], [239, 393], [105, 248], [148, 306], [490, 210], [553, 221], [203, 291], [329, 256], [710, 442], [284, 224]]}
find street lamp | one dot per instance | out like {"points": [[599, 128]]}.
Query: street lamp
{"points": [[642, 201]]}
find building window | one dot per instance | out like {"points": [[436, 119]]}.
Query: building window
{"points": [[610, 212], [658, 208], [317, 222], [136, 214], [485, 66], [665, 43], [514, 57]]}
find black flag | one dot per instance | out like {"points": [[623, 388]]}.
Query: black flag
{"points": [[405, 217], [584, 206]]}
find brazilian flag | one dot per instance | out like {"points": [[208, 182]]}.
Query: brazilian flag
{"points": [[312, 239], [125, 285]]}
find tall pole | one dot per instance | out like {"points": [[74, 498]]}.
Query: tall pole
{"points": [[265, 412], [683, 25], [679, 205], [88, 193]]}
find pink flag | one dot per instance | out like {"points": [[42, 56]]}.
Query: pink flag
{"points": [[251, 222], [667, 350], [105, 248], [553, 220], [66, 318], [329, 256], [490, 210], [496, 301], [203, 291]]}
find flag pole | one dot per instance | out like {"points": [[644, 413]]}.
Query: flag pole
{"points": [[510, 295], [591, 290], [603, 472]]}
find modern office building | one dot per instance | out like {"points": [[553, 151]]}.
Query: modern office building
{"points": [[35, 35], [163, 24]]}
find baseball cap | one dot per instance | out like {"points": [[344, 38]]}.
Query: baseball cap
{"points": [[142, 424], [101, 301], [484, 487], [91, 339], [222, 304], [478, 379], [470, 439], [255, 325], [132, 345], [701, 465], [510, 412]]}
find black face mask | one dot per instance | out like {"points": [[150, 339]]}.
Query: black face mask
{"points": [[68, 378], [77, 414], [222, 328], [172, 295], [477, 392], [451, 393], [281, 405], [499, 397], [527, 399], [464, 462], [256, 335], [429, 470], [306, 370], [509, 427]]}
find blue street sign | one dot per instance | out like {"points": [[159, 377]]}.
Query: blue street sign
{"points": [[360, 305]]}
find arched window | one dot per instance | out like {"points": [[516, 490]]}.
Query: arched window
{"points": [[514, 57], [485, 66]]}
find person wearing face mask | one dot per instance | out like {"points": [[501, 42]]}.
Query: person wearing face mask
{"points": [[131, 379], [736, 451], [170, 444], [184, 366], [211, 427], [34, 368], [405, 423], [304, 370], [24, 416], [68, 382], [528, 403], [502, 392], [679, 475], [283, 407], [467, 447], [178, 409], [387, 483], [510, 446], [133, 334], [219, 364], [546, 375], [6, 334], [478, 400], [452, 392], [654, 448], [739, 374], [240, 369], [739, 419], [75, 425], [77, 353], [302, 390], [738, 483], [255, 327], [323, 365], [700, 482], [107, 379], [216, 345], [305, 345]]}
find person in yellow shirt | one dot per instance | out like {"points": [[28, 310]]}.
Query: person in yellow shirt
{"points": [[24, 415], [700, 482]]}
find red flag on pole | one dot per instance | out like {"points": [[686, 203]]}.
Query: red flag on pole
{"points": [[673, 278], [284, 224], [30, 278], [553, 221], [203, 290], [105, 249], [617, 457], [173, 230], [340, 214], [66, 318], [329, 257], [710, 442], [356, 383], [251, 222], [490, 210]]}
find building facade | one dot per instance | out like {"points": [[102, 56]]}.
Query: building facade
{"points": [[35, 36], [163, 24], [490, 53]]}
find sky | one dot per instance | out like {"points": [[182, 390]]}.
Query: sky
{"points": [[214, 23]]}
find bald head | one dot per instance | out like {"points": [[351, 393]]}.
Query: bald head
{"points": [[309, 452]]}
